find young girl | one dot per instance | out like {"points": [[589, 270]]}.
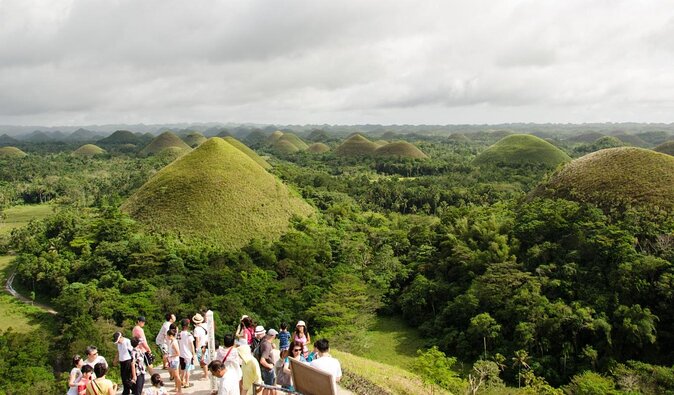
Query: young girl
{"points": [[75, 375], [302, 337], [87, 372], [246, 330], [157, 386], [284, 337], [174, 359]]}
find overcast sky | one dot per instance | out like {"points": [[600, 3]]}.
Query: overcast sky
{"points": [[65, 62]]}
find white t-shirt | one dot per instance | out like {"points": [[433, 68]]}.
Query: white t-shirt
{"points": [[186, 342], [161, 336], [124, 348], [97, 360], [329, 365], [200, 334]]}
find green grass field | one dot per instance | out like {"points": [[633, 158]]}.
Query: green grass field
{"points": [[19, 316], [393, 343], [18, 216]]}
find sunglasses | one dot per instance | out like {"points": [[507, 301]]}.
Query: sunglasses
{"points": [[297, 349]]}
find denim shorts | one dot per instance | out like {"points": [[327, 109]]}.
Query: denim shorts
{"points": [[267, 376]]}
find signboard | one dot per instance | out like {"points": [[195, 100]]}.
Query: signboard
{"points": [[311, 381]]}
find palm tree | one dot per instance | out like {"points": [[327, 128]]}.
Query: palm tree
{"points": [[520, 361]]}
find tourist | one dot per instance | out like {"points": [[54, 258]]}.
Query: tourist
{"points": [[201, 343], [245, 332], [232, 362], [295, 352], [325, 362], [282, 377], [87, 375], [160, 340], [259, 335], [225, 387], [157, 386], [123, 356], [137, 367], [100, 385], [174, 359], [302, 337], [143, 346], [250, 369], [75, 375], [284, 337], [186, 342], [265, 354], [93, 358]]}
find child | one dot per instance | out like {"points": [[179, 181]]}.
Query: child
{"points": [[284, 337], [174, 358], [87, 371], [75, 375], [157, 386]]}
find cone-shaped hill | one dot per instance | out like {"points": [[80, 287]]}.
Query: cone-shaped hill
{"points": [[615, 178], [162, 142], [284, 147], [521, 149], [194, 139], [251, 154], [458, 138], [120, 137], [356, 145], [666, 148], [88, 150], [318, 148], [401, 149], [294, 140], [216, 194], [274, 137], [380, 143], [11, 152]]}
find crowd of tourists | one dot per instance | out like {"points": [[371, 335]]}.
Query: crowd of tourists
{"points": [[246, 361]]}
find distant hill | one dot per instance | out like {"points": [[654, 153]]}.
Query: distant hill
{"points": [[11, 152], [631, 139], [521, 149], [588, 137], [163, 141], [390, 136], [458, 138], [120, 137], [294, 140], [356, 145], [255, 139], [318, 135], [83, 135], [216, 194], [284, 147], [666, 148], [246, 150], [37, 136], [401, 149], [318, 148], [274, 137], [654, 138], [616, 178], [8, 140], [88, 150], [380, 143], [194, 139]]}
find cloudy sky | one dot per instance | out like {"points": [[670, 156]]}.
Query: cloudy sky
{"points": [[69, 62]]}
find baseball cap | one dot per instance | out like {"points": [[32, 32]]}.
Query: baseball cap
{"points": [[116, 336], [272, 332]]}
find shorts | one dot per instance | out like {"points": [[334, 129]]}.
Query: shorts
{"points": [[183, 363], [174, 364], [268, 376], [202, 358]]}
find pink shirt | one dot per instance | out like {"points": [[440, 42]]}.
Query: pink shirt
{"points": [[140, 334]]}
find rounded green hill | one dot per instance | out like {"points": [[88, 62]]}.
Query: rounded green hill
{"points": [[522, 149], [274, 137], [284, 147], [318, 148], [120, 137], [88, 150], [615, 178], [11, 152], [246, 150], [401, 149], [162, 142], [294, 140], [356, 145], [194, 139], [458, 138], [666, 148], [216, 194], [381, 143]]}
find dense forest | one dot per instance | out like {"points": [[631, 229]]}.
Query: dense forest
{"points": [[533, 290]]}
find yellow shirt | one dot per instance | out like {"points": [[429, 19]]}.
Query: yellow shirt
{"points": [[99, 387], [250, 368]]}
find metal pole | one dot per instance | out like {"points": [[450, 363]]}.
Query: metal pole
{"points": [[210, 323]]}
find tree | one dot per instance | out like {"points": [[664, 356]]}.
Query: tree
{"points": [[484, 373], [482, 325], [520, 361], [435, 369]]}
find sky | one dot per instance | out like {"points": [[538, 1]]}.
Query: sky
{"points": [[82, 62]]}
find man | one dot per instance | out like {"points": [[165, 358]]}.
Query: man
{"points": [[266, 360], [93, 358], [186, 344], [201, 340], [325, 362], [259, 335], [123, 356], [143, 347], [250, 370], [160, 340], [219, 370]]}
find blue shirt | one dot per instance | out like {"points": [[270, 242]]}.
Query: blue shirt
{"points": [[284, 340]]}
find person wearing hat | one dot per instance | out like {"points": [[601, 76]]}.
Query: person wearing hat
{"points": [[266, 360], [123, 356], [245, 332], [302, 337], [143, 347], [201, 341], [259, 335]]}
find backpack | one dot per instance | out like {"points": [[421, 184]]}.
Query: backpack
{"points": [[282, 378], [257, 352]]}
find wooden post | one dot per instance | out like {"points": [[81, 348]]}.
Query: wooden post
{"points": [[210, 324]]}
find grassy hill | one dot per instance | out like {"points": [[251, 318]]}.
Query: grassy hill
{"points": [[120, 137], [8, 140], [616, 177], [381, 143], [401, 149], [88, 150], [522, 149], [284, 147], [11, 152], [666, 148], [251, 154], [294, 140], [194, 139], [162, 142], [631, 139], [458, 138], [356, 145], [216, 194], [588, 137], [318, 148], [274, 137]]}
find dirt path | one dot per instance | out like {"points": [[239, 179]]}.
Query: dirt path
{"points": [[9, 288]]}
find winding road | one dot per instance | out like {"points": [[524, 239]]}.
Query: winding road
{"points": [[9, 288]]}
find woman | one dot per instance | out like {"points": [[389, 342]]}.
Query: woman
{"points": [[294, 352], [232, 363], [246, 330], [75, 375], [174, 359], [100, 385], [302, 337]]}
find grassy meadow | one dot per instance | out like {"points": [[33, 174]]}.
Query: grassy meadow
{"points": [[15, 314], [18, 216]]}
